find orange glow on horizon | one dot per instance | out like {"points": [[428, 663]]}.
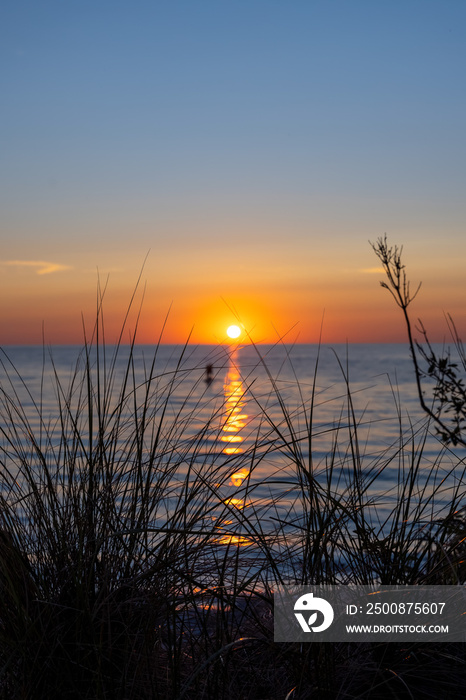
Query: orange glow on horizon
{"points": [[352, 309]]}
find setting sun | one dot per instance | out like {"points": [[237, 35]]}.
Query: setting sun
{"points": [[233, 331]]}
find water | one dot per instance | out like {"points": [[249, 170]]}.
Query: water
{"points": [[257, 404]]}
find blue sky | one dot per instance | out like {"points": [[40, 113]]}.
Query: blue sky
{"points": [[277, 135]]}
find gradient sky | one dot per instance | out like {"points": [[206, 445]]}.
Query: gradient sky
{"points": [[251, 148]]}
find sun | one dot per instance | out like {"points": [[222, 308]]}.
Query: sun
{"points": [[233, 331]]}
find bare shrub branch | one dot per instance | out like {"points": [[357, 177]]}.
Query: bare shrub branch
{"points": [[448, 398]]}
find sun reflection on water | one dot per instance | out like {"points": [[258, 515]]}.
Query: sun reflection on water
{"points": [[235, 418], [237, 502], [238, 477], [239, 540]]}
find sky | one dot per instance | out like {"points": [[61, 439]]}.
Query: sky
{"points": [[234, 157]]}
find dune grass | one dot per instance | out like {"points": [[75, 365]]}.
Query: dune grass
{"points": [[123, 573]]}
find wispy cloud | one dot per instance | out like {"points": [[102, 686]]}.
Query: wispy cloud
{"points": [[372, 270], [41, 266]]}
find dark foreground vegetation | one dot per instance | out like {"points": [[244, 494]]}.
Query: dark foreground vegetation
{"points": [[124, 574]]}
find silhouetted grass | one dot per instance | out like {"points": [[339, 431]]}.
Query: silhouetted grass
{"points": [[121, 570]]}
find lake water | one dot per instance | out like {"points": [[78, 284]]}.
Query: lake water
{"points": [[267, 409]]}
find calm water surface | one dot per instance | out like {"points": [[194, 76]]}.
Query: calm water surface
{"points": [[267, 397]]}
